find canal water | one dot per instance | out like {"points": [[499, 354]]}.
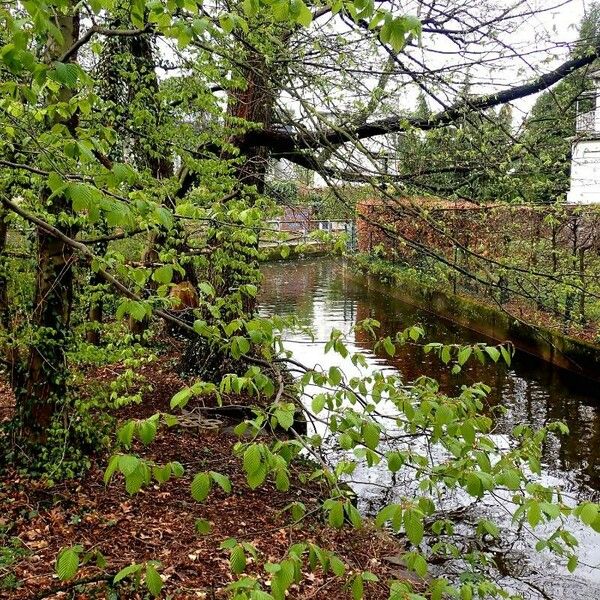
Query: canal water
{"points": [[326, 294]]}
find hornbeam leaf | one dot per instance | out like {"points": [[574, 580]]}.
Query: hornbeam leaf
{"points": [[202, 526], [200, 487], [237, 560], [222, 481], [304, 16], [67, 74], [154, 581], [252, 459], [126, 572], [67, 563]]}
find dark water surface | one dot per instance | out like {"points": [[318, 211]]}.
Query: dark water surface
{"points": [[326, 294]]}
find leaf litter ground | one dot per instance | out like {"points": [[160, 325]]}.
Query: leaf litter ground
{"points": [[158, 523]]}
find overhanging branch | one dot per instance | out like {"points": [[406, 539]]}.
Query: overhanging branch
{"points": [[292, 146]]}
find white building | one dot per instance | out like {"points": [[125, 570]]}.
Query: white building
{"points": [[585, 160]]}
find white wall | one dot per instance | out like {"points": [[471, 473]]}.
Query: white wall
{"points": [[585, 173]]}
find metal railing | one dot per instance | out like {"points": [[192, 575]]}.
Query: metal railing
{"points": [[588, 122], [299, 232]]}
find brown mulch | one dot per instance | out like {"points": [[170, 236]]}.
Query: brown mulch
{"points": [[158, 522]]}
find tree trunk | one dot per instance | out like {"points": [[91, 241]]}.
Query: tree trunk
{"points": [[96, 310], [42, 389], [254, 104], [4, 314]]}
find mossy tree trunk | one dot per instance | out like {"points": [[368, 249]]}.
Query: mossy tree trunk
{"points": [[4, 314], [41, 387]]}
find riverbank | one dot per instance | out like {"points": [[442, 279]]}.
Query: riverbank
{"points": [[293, 251], [498, 322], [159, 523]]}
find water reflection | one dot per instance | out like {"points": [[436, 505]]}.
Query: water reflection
{"points": [[325, 294]]}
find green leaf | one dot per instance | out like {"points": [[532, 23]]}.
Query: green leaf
{"points": [[353, 516], [163, 274], [371, 433], [335, 376], [493, 353], [113, 465], [505, 355], [162, 474], [134, 481], [125, 433], [252, 459], [67, 74], [336, 514], [250, 7], [200, 487], [464, 354], [588, 513], [318, 403], [154, 581], [147, 431], [534, 513], [389, 346], [420, 565], [445, 355], [413, 524], [304, 17], [67, 563], [388, 513], [181, 398], [126, 572], [395, 461], [357, 588], [202, 526], [222, 481], [237, 560], [128, 463], [285, 416], [256, 478], [282, 480], [337, 566]]}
